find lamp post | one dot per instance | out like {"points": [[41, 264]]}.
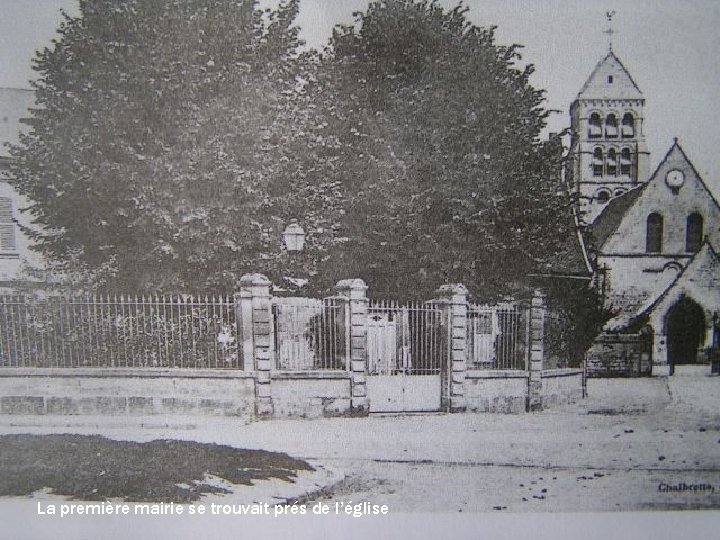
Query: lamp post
{"points": [[294, 237]]}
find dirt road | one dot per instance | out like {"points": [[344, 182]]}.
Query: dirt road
{"points": [[631, 445]]}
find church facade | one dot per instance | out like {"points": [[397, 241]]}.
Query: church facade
{"points": [[652, 237]]}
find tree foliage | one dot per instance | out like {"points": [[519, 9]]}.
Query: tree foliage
{"points": [[158, 127], [432, 130], [174, 139]]}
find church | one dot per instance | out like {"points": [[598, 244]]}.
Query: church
{"points": [[652, 237]]}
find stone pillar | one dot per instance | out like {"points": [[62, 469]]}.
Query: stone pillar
{"points": [[660, 367], [453, 298], [354, 291], [254, 319], [538, 312]]}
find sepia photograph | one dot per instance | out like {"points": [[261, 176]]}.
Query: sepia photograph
{"points": [[359, 268]]}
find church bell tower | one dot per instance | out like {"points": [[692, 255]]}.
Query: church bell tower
{"points": [[608, 152]]}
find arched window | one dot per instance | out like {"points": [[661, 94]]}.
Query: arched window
{"points": [[611, 163], [597, 162], [603, 196], [595, 126], [628, 126], [693, 233], [618, 192], [654, 237], [625, 162], [611, 126]]}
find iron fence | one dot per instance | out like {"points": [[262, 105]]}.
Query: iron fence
{"points": [[497, 337], [181, 331], [185, 331]]}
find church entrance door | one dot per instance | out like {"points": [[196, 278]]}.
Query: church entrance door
{"points": [[685, 332]]}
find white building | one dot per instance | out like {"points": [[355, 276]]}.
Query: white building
{"points": [[15, 255]]}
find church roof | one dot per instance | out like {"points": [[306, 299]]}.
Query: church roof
{"points": [[612, 215], [676, 148], [610, 80], [699, 279]]}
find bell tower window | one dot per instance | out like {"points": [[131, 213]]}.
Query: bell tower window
{"points": [[625, 162], [611, 164], [628, 126], [611, 126], [595, 126], [597, 162]]}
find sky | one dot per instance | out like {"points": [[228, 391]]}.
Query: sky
{"points": [[670, 47]]}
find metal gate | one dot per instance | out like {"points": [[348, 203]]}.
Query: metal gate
{"points": [[407, 348]]}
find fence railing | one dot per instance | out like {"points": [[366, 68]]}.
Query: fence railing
{"points": [[118, 331], [406, 339], [185, 331], [310, 333], [497, 337]]}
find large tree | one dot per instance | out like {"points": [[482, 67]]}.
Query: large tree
{"points": [[433, 133], [158, 129]]}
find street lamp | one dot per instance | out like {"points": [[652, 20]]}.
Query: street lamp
{"points": [[294, 236]]}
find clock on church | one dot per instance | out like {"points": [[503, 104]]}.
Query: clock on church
{"points": [[675, 180]]}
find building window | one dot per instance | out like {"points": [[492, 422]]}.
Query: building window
{"points": [[653, 241], [603, 196], [597, 162], [595, 126], [618, 192], [693, 233], [611, 126], [610, 79], [628, 126], [611, 166], [7, 225], [625, 162]]}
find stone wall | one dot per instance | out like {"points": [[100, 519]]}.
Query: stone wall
{"points": [[620, 355], [126, 392], [134, 392], [561, 386], [508, 391], [311, 395], [496, 391], [168, 392]]}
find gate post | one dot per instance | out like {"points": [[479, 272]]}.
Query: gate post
{"points": [[538, 311], [454, 300], [254, 320], [354, 292]]}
